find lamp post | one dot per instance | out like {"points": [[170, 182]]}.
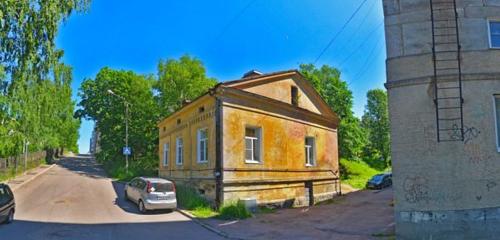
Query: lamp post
{"points": [[126, 124]]}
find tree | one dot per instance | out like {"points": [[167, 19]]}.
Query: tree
{"points": [[108, 111], [376, 122], [33, 106], [327, 81], [181, 80]]}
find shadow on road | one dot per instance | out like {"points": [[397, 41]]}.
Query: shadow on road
{"points": [[21, 230], [128, 205], [83, 165]]}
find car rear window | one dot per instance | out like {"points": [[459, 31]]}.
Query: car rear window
{"points": [[163, 187]]}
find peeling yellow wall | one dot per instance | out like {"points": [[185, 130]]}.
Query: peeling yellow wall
{"points": [[283, 150], [191, 171], [280, 90]]}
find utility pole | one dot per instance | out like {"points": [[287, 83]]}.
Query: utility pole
{"points": [[126, 126]]}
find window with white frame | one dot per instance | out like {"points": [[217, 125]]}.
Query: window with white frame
{"points": [[253, 145], [310, 151], [166, 148], [179, 151], [202, 151], [497, 118], [494, 27]]}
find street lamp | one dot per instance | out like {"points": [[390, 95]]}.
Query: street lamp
{"points": [[126, 124]]}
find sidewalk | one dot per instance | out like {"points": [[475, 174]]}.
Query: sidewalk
{"points": [[358, 215], [31, 174]]}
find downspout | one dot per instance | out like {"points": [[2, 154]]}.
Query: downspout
{"points": [[218, 173]]}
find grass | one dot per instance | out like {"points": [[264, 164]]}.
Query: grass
{"points": [[356, 173], [189, 199], [266, 209], [10, 172]]}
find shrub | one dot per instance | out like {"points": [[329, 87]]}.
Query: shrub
{"points": [[189, 198], [234, 210]]}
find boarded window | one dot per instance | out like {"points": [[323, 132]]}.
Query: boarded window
{"points": [[295, 96], [252, 145]]}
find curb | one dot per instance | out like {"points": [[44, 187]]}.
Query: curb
{"points": [[207, 226], [33, 177]]}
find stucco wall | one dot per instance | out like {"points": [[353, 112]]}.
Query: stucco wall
{"points": [[446, 190], [283, 157], [199, 175]]}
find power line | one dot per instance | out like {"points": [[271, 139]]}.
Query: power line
{"points": [[233, 20], [361, 45], [371, 7], [340, 31], [367, 62]]}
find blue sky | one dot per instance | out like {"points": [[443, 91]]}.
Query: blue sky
{"points": [[230, 37]]}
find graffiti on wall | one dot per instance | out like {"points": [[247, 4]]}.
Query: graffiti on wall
{"points": [[416, 189], [470, 133]]}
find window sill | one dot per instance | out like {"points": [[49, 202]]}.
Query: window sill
{"points": [[178, 164], [200, 162], [252, 162], [310, 165]]}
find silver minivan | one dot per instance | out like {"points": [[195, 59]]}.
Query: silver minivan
{"points": [[151, 193]]}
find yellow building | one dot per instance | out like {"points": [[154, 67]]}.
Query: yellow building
{"points": [[270, 137]]}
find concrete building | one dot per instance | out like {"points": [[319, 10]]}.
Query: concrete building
{"points": [[443, 81], [268, 137]]}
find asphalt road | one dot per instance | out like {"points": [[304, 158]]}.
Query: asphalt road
{"points": [[75, 200]]}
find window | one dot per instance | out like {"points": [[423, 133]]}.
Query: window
{"points": [[178, 121], [202, 137], [295, 96], [310, 151], [497, 119], [201, 109], [179, 155], [252, 145], [166, 147], [494, 27]]}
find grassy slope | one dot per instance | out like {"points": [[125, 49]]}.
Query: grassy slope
{"points": [[356, 173]]}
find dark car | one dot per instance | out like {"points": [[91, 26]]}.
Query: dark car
{"points": [[7, 204], [380, 181]]}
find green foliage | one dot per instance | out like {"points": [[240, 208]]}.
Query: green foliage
{"points": [[108, 111], [335, 91], [188, 198], [35, 87], [356, 173], [376, 122], [233, 210], [181, 80]]}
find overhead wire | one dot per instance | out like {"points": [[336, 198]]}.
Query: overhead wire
{"points": [[332, 40]]}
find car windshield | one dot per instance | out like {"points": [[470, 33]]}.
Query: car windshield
{"points": [[163, 187], [377, 178]]}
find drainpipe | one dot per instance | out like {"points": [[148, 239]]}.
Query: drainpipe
{"points": [[218, 173]]}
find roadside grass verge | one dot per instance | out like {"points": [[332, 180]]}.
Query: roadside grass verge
{"points": [[356, 173], [10, 173], [188, 198]]}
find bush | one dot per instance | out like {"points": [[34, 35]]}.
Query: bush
{"points": [[233, 210], [188, 198]]}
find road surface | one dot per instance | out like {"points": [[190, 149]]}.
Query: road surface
{"points": [[75, 200]]}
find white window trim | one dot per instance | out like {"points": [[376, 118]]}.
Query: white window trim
{"points": [[308, 148], [166, 154], [259, 134], [488, 22], [495, 97], [179, 151], [198, 146]]}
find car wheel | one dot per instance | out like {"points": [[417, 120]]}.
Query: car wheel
{"points": [[142, 209], [10, 217]]}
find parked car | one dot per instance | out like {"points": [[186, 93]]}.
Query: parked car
{"points": [[151, 193], [7, 204], [380, 181]]}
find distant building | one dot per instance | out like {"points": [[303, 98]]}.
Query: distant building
{"points": [[443, 81], [267, 136], [94, 141]]}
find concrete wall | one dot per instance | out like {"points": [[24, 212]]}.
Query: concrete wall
{"points": [[447, 190]]}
